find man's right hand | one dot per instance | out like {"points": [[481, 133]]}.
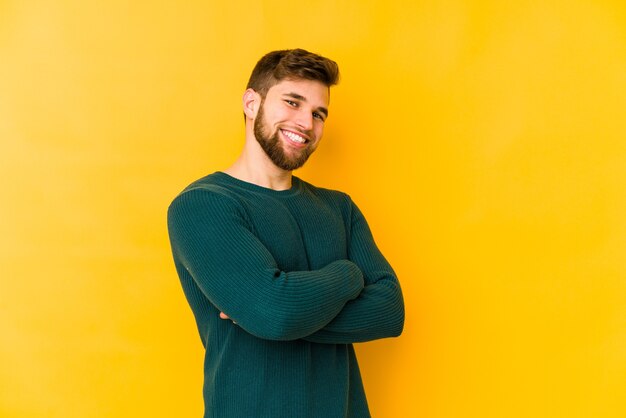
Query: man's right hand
{"points": [[224, 316]]}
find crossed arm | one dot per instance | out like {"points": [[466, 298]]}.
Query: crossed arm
{"points": [[378, 310], [351, 300]]}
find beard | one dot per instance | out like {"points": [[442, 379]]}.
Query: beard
{"points": [[272, 145]]}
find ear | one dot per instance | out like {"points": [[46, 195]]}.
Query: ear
{"points": [[251, 103]]}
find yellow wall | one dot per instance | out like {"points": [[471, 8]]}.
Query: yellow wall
{"points": [[484, 140]]}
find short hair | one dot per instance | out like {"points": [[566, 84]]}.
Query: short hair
{"points": [[292, 64]]}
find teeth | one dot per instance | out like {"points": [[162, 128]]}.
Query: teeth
{"points": [[294, 137]]}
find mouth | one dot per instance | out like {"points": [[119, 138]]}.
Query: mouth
{"points": [[294, 137]]}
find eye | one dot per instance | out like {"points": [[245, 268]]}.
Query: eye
{"points": [[291, 103], [318, 116]]}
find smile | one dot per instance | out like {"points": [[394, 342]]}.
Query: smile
{"points": [[294, 136]]}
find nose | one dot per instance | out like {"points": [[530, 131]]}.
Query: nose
{"points": [[305, 120]]}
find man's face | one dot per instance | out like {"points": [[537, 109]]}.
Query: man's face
{"points": [[290, 121]]}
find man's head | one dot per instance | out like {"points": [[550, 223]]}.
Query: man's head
{"points": [[287, 103], [292, 64]]}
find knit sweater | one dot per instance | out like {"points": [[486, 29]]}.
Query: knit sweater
{"points": [[301, 278]]}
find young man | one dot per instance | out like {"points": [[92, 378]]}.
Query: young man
{"points": [[282, 276]]}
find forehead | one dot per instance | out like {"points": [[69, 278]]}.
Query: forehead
{"points": [[315, 92]]}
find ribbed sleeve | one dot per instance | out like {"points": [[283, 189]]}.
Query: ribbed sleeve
{"points": [[212, 239]]}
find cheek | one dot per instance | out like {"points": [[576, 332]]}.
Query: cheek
{"points": [[319, 131], [278, 117], [279, 111]]}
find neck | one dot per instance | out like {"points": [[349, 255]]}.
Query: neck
{"points": [[276, 179]]}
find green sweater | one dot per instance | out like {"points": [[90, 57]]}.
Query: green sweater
{"points": [[300, 276]]}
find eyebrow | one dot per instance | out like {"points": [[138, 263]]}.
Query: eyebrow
{"points": [[302, 98]]}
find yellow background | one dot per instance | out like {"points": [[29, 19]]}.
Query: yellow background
{"points": [[484, 140]]}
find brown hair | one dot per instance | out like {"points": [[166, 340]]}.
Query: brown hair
{"points": [[294, 64]]}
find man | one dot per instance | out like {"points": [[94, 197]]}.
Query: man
{"points": [[282, 277]]}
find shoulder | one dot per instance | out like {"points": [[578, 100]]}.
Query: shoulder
{"points": [[207, 193], [336, 199], [324, 193], [212, 183]]}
